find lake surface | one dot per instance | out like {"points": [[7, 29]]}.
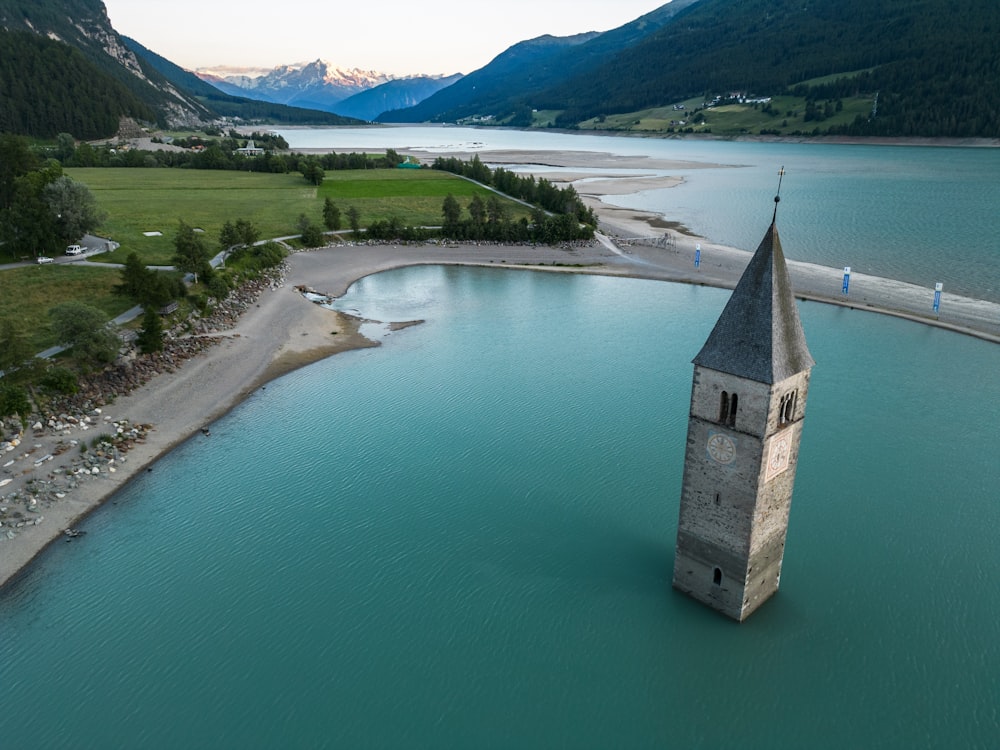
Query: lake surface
{"points": [[914, 213], [464, 539]]}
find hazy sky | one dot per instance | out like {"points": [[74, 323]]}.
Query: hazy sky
{"points": [[390, 36]]}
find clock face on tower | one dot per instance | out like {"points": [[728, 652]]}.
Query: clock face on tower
{"points": [[721, 448], [778, 455]]}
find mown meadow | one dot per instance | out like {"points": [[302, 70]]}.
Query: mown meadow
{"points": [[139, 201]]}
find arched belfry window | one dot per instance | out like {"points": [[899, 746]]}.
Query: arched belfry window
{"points": [[728, 404], [786, 410]]}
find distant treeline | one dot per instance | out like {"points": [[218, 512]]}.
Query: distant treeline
{"points": [[222, 154]]}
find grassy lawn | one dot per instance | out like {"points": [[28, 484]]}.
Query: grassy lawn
{"points": [[415, 198], [156, 200], [27, 294]]}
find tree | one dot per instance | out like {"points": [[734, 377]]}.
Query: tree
{"points": [[84, 329], [73, 206], [150, 338], [496, 211], [14, 400], [16, 159], [310, 234], [190, 253], [27, 222], [15, 348], [247, 232], [65, 147], [228, 236], [477, 210], [331, 215], [354, 219], [135, 278], [452, 215], [313, 172], [241, 234]]}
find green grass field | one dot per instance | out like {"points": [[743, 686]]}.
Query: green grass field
{"points": [[27, 294], [730, 119], [138, 201]]}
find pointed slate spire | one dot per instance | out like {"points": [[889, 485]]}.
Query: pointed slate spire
{"points": [[759, 335]]}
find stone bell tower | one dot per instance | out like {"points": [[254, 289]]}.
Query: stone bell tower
{"points": [[748, 400]]}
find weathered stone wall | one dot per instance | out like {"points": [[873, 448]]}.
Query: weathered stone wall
{"points": [[734, 512]]}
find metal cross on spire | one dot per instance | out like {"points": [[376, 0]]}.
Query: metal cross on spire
{"points": [[777, 196]]}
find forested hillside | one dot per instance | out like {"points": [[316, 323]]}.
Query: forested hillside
{"points": [[64, 69], [935, 64], [508, 84], [76, 97]]}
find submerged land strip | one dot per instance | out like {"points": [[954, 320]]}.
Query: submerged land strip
{"points": [[281, 329]]}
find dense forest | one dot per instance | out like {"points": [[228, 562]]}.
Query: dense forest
{"points": [[935, 64], [76, 98], [91, 77]]}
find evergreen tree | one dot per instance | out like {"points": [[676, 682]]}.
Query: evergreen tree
{"points": [[452, 213], [150, 338], [354, 220], [331, 215]]}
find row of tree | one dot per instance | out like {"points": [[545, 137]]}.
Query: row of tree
{"points": [[541, 192], [490, 220], [220, 154]]}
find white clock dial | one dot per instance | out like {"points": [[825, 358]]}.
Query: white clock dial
{"points": [[721, 448]]}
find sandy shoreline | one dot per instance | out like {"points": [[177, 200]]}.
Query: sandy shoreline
{"points": [[284, 331]]}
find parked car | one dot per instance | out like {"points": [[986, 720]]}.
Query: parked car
{"points": [[44, 259], [74, 250]]}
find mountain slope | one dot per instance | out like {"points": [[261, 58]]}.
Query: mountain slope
{"points": [[935, 63], [397, 94], [513, 80], [77, 97], [84, 25], [227, 105]]}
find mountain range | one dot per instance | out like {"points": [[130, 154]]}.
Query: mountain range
{"points": [[362, 94], [840, 67]]}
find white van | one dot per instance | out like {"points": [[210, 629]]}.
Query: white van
{"points": [[74, 250]]}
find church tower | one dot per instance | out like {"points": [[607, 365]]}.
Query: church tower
{"points": [[748, 399]]}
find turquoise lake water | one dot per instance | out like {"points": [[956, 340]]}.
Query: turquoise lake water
{"points": [[464, 539]]}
